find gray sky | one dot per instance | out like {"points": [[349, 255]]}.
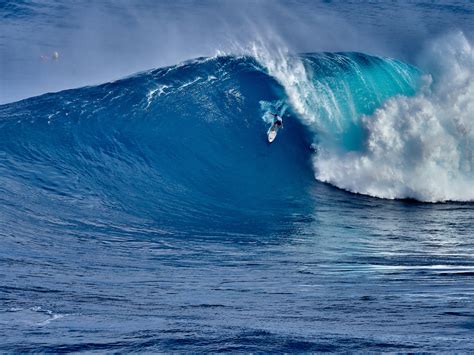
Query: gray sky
{"points": [[99, 41]]}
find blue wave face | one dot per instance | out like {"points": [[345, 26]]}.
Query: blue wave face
{"points": [[184, 144], [349, 86]]}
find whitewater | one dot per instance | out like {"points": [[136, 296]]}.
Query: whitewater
{"points": [[143, 210], [417, 147]]}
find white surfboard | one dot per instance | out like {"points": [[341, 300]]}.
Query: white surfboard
{"points": [[272, 133]]}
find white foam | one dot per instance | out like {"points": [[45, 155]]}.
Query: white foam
{"points": [[291, 73], [158, 91], [34, 316]]}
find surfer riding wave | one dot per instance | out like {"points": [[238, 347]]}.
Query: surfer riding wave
{"points": [[276, 125]]}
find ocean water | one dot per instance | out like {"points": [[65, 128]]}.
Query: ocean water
{"points": [[149, 213]]}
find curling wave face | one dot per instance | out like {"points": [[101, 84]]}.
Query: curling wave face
{"points": [[173, 146], [186, 144]]}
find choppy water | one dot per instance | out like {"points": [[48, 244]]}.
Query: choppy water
{"points": [[150, 213]]}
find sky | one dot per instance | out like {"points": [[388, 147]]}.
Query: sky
{"points": [[100, 41]]}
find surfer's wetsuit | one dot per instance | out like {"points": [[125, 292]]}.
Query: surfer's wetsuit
{"points": [[278, 121]]}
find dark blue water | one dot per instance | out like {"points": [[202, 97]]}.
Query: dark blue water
{"points": [[150, 213]]}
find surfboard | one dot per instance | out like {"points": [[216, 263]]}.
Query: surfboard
{"points": [[272, 133]]}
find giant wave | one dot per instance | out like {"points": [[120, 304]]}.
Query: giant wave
{"points": [[187, 142]]}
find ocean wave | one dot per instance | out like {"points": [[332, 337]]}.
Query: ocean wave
{"points": [[188, 141]]}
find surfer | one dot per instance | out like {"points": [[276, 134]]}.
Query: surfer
{"points": [[277, 121], [276, 125]]}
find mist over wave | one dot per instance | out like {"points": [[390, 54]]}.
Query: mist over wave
{"points": [[101, 41]]}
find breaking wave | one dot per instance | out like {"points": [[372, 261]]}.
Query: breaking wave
{"points": [[377, 137], [186, 144]]}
